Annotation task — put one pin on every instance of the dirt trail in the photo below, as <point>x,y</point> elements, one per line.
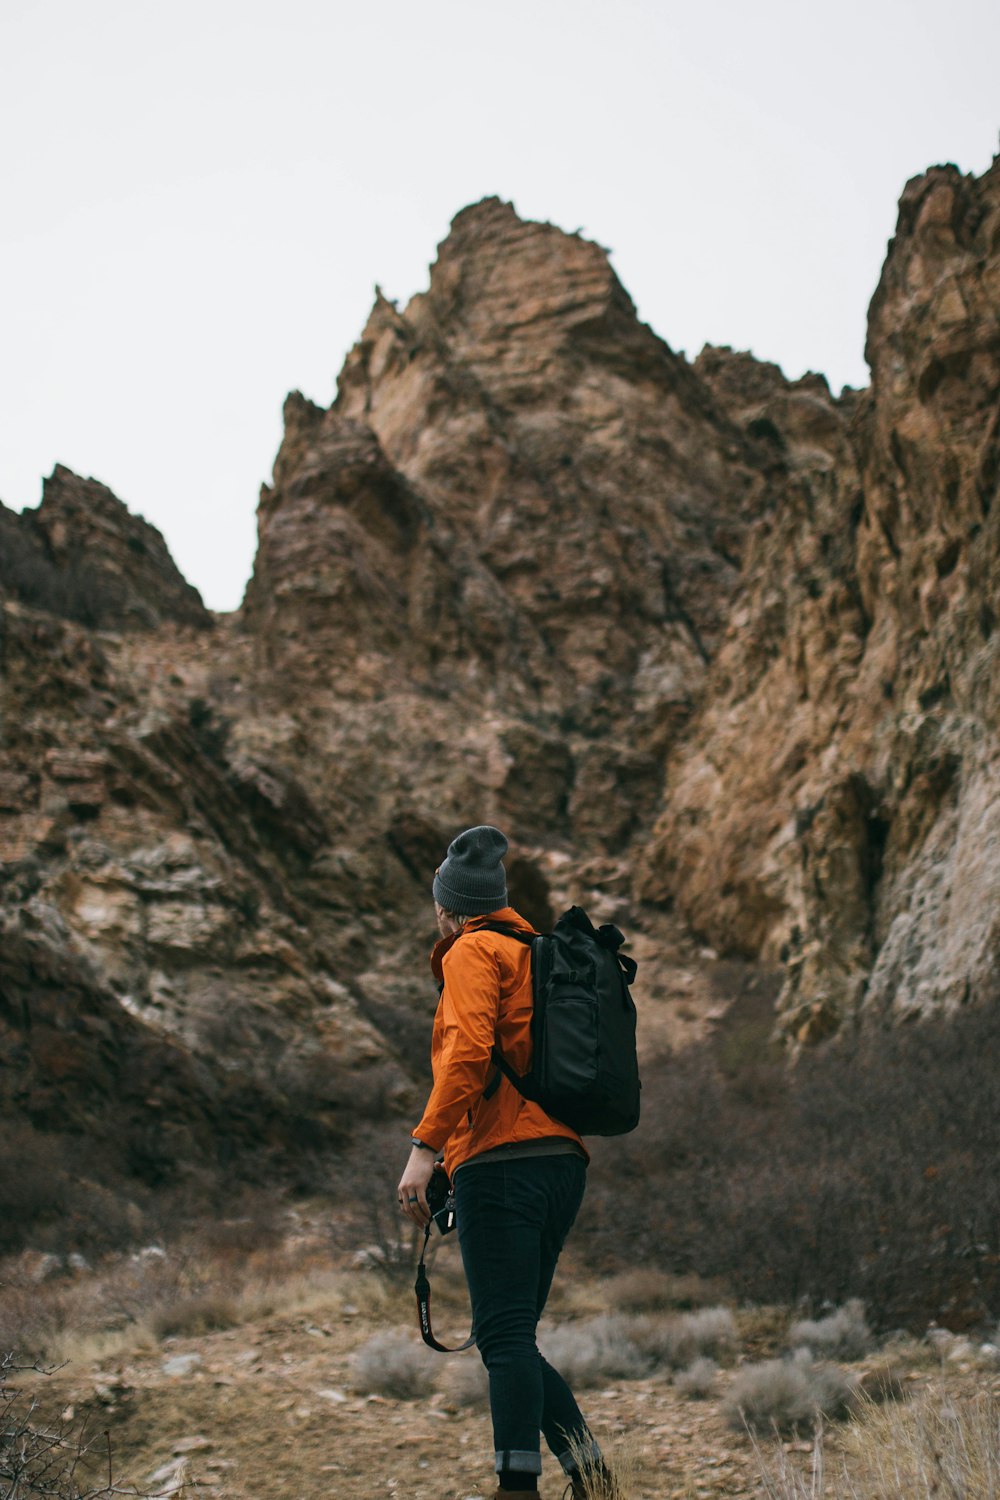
<point>268,1413</point>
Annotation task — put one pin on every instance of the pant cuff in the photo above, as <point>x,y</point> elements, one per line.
<point>570,1460</point>
<point>519,1459</point>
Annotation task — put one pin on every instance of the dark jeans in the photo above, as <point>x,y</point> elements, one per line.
<point>513,1219</point>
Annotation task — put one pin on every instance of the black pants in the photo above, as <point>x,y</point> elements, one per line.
<point>513,1219</point>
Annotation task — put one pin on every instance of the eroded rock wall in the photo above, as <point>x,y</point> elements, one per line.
<point>833,804</point>
<point>706,641</point>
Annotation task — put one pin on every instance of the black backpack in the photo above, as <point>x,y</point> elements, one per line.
<point>584,1068</point>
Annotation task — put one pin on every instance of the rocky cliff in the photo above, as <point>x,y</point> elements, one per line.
<point>718,649</point>
<point>834,804</point>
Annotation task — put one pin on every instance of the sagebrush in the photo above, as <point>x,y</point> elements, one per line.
<point>787,1395</point>
<point>842,1334</point>
<point>621,1347</point>
<point>394,1364</point>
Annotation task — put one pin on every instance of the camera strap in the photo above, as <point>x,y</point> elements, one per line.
<point>422,1287</point>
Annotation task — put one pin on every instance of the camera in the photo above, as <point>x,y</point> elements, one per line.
<point>441,1200</point>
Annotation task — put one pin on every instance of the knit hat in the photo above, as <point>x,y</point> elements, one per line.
<point>471,880</point>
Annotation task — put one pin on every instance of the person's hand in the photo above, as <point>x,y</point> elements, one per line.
<point>412,1189</point>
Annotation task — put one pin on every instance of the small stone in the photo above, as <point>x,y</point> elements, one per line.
<point>181,1364</point>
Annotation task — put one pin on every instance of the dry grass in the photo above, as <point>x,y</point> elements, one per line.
<point>128,1304</point>
<point>131,1302</point>
<point>939,1447</point>
<point>206,1312</point>
<point>647,1289</point>
<point>615,1477</point>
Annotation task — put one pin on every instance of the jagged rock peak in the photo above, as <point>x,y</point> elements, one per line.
<point>507,296</point>
<point>83,554</point>
<point>508,281</point>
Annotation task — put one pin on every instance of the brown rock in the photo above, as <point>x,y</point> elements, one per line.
<point>697,636</point>
<point>861,654</point>
<point>84,555</point>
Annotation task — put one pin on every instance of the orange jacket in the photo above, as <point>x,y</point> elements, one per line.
<point>486,1000</point>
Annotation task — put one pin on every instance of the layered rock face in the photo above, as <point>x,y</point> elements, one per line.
<point>835,803</point>
<point>599,485</point>
<point>708,643</point>
<point>522,521</point>
<point>159,962</point>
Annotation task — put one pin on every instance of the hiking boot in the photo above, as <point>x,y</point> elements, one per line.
<point>503,1494</point>
<point>596,1484</point>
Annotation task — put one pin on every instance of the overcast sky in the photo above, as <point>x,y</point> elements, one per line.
<point>199,196</point>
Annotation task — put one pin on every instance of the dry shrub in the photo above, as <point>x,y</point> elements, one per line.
<point>41,1458</point>
<point>254,1223</point>
<point>207,1312</point>
<point>121,1293</point>
<point>648,1289</point>
<point>592,1352</point>
<point>786,1395</point>
<point>869,1170</point>
<point>618,1347</point>
<point>698,1380</point>
<point>466,1382</point>
<point>128,1291</point>
<point>131,1300</point>
<point>844,1334</point>
<point>763,1330</point>
<point>393,1364</point>
<point>30,1319</point>
<point>677,1341</point>
<point>46,1204</point>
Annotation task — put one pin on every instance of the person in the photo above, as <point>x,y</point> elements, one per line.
<point>518,1174</point>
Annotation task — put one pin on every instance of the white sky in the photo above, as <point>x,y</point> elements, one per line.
<point>198,197</point>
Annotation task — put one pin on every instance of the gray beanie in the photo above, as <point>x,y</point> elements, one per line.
<point>471,880</point>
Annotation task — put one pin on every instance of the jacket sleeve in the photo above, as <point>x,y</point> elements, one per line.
<point>465,1031</point>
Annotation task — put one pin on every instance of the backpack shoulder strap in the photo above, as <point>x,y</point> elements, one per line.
<point>507,931</point>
